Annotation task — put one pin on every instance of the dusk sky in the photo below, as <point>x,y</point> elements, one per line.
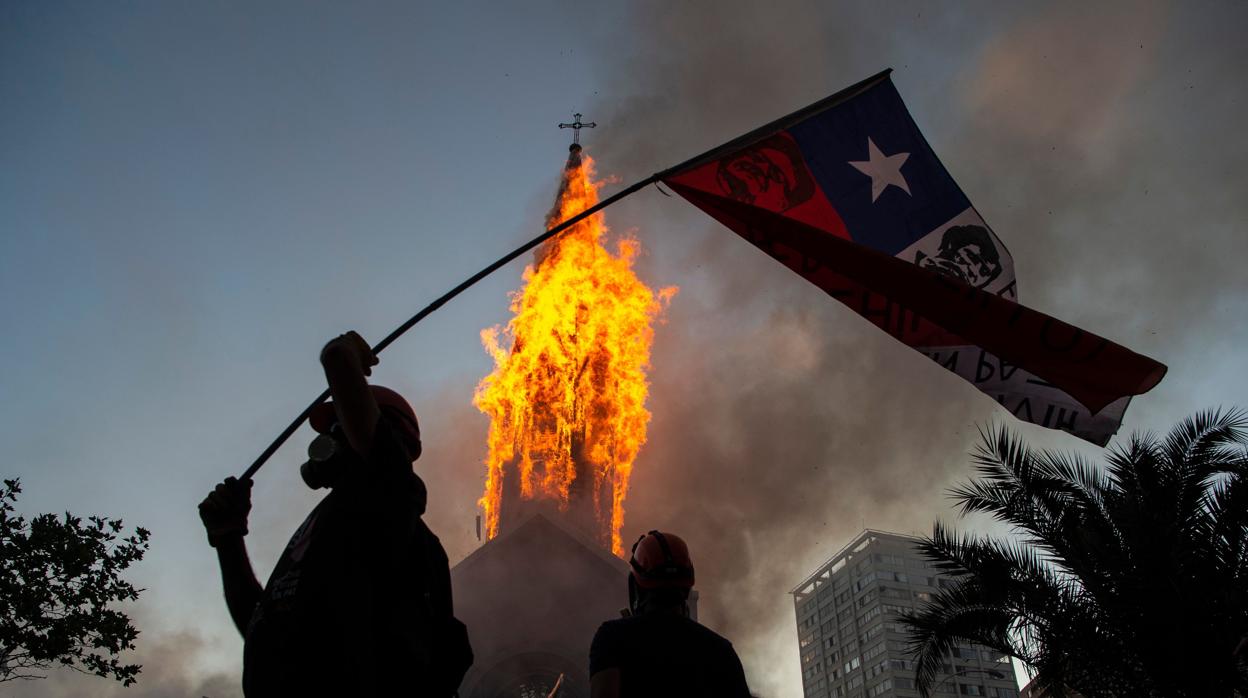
<point>196,196</point>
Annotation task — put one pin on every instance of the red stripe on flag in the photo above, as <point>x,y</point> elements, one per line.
<point>1091,369</point>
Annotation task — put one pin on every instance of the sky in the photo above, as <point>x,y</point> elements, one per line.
<point>195,196</point>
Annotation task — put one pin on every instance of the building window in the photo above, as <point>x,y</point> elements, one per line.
<point>970,690</point>
<point>881,689</point>
<point>965,652</point>
<point>872,632</point>
<point>893,609</point>
<point>901,664</point>
<point>993,656</point>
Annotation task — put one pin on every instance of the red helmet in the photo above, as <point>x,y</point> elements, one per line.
<point>322,417</point>
<point>661,561</point>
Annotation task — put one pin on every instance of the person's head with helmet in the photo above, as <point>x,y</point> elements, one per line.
<point>657,649</point>
<point>661,574</point>
<point>325,452</point>
<point>347,425</point>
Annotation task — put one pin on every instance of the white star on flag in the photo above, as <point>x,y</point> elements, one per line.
<point>882,169</point>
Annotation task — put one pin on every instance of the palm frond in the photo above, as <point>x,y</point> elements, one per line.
<point>1132,466</point>
<point>1226,507</point>
<point>1086,535</point>
<point>952,615</point>
<point>1004,593</point>
<point>1198,435</point>
<point>1009,486</point>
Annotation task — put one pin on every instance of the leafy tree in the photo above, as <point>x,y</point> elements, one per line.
<point>1125,580</point>
<point>58,576</point>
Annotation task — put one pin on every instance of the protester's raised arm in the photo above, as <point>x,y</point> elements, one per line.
<point>224,515</point>
<point>242,589</point>
<point>348,360</point>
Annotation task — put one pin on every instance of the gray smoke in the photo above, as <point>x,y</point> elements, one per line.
<point>172,668</point>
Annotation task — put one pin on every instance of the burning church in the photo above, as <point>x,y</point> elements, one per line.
<point>566,402</point>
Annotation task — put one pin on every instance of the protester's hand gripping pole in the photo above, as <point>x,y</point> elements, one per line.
<point>424,312</point>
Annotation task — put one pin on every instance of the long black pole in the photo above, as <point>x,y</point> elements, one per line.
<point>425,311</point>
<point>736,143</point>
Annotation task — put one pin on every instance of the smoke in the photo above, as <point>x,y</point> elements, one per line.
<point>171,669</point>
<point>1102,135</point>
<point>1038,95</point>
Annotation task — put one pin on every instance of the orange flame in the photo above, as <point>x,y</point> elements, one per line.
<point>566,399</point>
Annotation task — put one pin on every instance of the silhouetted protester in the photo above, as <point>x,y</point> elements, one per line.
<point>359,603</point>
<point>658,650</point>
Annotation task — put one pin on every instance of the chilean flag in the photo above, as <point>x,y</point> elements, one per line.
<point>848,193</point>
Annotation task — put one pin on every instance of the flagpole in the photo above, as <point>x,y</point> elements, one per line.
<point>442,300</point>
<point>734,144</point>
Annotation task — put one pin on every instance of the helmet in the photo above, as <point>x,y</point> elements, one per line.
<point>661,561</point>
<point>322,417</point>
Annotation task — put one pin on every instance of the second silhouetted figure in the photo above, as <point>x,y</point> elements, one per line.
<point>657,650</point>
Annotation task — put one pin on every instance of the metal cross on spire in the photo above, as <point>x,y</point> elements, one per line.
<point>576,127</point>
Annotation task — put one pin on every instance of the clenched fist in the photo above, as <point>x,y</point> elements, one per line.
<point>224,511</point>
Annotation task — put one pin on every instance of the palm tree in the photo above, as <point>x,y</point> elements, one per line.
<point>1124,580</point>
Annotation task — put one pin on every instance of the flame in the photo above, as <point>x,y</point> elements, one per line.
<point>566,399</point>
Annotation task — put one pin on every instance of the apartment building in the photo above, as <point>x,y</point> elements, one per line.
<point>851,642</point>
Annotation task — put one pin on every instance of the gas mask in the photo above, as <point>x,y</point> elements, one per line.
<point>329,456</point>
